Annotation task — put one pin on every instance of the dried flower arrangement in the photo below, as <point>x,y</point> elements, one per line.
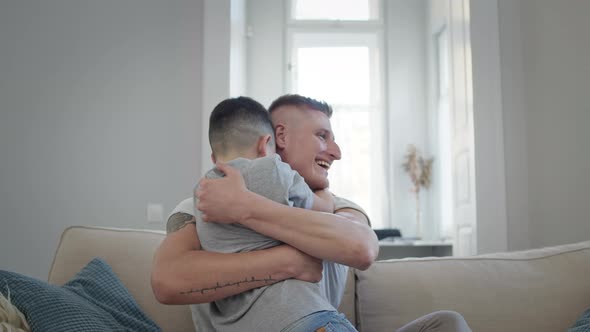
<point>420,172</point>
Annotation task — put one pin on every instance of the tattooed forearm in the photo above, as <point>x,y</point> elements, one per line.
<point>178,221</point>
<point>229,284</point>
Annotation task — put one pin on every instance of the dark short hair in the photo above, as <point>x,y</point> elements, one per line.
<point>238,123</point>
<point>301,102</point>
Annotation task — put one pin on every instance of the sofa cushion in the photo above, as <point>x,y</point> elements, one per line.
<point>94,300</point>
<point>536,290</point>
<point>129,253</point>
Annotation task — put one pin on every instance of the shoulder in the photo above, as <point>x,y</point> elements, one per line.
<point>346,207</point>
<point>343,203</point>
<point>179,220</point>
<point>241,164</point>
<point>271,164</point>
<point>268,161</point>
<point>185,206</point>
<point>181,215</point>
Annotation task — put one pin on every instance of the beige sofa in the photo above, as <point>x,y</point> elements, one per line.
<point>537,290</point>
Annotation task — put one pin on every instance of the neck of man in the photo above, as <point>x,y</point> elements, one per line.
<point>231,155</point>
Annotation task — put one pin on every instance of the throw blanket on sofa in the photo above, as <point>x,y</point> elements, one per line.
<point>11,319</point>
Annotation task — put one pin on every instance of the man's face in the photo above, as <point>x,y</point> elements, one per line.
<point>307,144</point>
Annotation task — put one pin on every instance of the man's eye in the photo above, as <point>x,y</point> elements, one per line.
<point>323,136</point>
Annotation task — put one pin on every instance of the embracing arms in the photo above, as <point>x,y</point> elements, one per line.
<point>343,237</point>
<point>182,273</point>
<point>323,201</point>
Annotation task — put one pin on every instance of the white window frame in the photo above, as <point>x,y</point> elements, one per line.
<point>375,4</point>
<point>444,150</point>
<point>338,33</point>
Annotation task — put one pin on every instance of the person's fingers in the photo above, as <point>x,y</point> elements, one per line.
<point>199,191</point>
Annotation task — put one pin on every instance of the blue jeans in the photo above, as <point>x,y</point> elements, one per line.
<point>438,321</point>
<point>331,321</point>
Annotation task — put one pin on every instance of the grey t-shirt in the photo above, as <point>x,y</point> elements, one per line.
<point>268,308</point>
<point>268,177</point>
<point>334,275</point>
<point>331,288</point>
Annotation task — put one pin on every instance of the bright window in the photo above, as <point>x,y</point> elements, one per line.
<point>444,134</point>
<point>342,65</point>
<point>353,10</point>
<point>320,73</point>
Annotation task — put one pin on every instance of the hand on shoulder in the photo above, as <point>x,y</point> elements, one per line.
<point>214,196</point>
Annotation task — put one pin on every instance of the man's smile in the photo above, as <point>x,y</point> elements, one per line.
<point>323,164</point>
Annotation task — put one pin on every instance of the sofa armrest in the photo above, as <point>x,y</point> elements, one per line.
<point>348,302</point>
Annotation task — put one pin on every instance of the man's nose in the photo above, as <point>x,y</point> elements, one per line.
<point>334,150</point>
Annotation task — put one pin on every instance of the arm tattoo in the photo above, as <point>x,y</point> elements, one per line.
<point>178,221</point>
<point>229,284</point>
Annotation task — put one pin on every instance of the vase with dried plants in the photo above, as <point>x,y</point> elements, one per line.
<point>420,172</point>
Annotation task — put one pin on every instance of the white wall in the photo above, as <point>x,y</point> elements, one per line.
<point>556,49</point>
<point>490,171</point>
<point>546,74</point>
<point>217,62</point>
<point>405,36</point>
<point>238,48</point>
<point>515,126</point>
<point>265,54</point>
<point>99,115</point>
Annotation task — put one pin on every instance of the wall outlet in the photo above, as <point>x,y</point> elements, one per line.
<point>155,213</point>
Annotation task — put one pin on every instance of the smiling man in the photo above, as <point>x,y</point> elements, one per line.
<point>318,246</point>
<point>306,139</point>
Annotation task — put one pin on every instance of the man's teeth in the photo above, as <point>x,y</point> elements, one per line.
<point>324,164</point>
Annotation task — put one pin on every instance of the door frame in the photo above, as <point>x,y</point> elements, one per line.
<point>490,166</point>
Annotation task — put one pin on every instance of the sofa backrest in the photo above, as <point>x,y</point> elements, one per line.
<point>130,254</point>
<point>536,290</point>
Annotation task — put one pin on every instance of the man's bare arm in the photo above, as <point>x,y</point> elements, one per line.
<point>184,274</point>
<point>344,237</point>
<point>323,201</point>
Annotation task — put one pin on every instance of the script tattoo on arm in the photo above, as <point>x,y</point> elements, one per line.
<point>178,221</point>
<point>229,284</point>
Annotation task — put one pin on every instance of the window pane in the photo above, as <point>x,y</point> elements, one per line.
<point>338,74</point>
<point>357,176</point>
<point>354,10</point>
<point>343,70</point>
<point>442,52</point>
<point>342,77</point>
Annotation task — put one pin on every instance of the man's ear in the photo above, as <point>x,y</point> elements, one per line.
<point>213,158</point>
<point>281,136</point>
<point>262,146</point>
